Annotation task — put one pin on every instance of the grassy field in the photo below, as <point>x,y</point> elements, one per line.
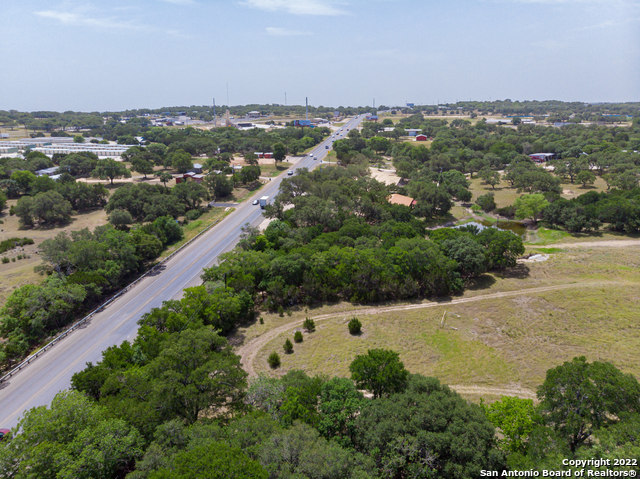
<point>507,341</point>
<point>20,272</point>
<point>505,195</point>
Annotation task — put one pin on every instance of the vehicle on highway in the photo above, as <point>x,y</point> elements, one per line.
<point>326,147</point>
<point>290,172</point>
<point>254,202</point>
<point>264,200</point>
<point>4,432</point>
<point>311,155</point>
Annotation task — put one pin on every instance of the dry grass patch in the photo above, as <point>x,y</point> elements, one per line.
<point>21,272</point>
<point>490,344</point>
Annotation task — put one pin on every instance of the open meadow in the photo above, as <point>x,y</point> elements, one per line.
<point>499,337</point>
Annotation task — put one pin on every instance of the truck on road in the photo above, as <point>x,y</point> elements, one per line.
<point>264,200</point>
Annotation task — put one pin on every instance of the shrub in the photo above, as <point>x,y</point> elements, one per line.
<point>297,337</point>
<point>309,325</point>
<point>355,326</point>
<point>274,360</point>
<point>193,214</point>
<point>507,211</point>
<point>5,260</point>
<point>486,202</point>
<point>288,346</point>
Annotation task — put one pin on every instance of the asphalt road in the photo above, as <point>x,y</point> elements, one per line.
<point>50,373</point>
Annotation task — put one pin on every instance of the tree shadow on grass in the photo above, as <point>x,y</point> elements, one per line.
<point>519,271</point>
<point>484,281</point>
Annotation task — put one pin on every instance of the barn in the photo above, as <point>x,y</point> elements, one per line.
<point>421,137</point>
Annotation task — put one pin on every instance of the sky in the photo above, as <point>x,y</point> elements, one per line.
<point>110,55</point>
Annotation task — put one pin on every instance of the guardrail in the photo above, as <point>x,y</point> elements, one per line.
<point>103,305</point>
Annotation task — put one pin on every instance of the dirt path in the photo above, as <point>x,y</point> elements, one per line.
<point>599,244</point>
<point>249,351</point>
<point>523,393</point>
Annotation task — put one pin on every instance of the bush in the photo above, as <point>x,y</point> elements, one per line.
<point>193,214</point>
<point>507,211</point>
<point>5,260</point>
<point>11,243</point>
<point>486,202</point>
<point>288,346</point>
<point>297,337</point>
<point>355,326</point>
<point>309,325</point>
<point>274,360</point>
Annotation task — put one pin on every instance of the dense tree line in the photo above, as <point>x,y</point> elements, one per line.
<point>618,210</point>
<point>175,403</point>
<point>47,202</point>
<point>84,266</point>
<point>343,240</point>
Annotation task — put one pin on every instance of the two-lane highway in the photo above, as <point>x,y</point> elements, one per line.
<point>50,373</point>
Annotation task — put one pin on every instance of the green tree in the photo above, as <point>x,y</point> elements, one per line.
<point>274,360</point>
<point>297,337</point>
<point>379,371</point>
<point>516,418</point>
<point>309,325</point>
<point>355,326</point>
<point>586,177</point>
<point>530,206</point>
<point>427,431</point>
<point>249,174</point>
<point>197,372</point>
<point>219,185</point>
<point>486,202</point>
<point>213,460</point>
<point>24,180</point>
<point>110,169</point>
<point>190,194</point>
<point>180,161</point>
<point>490,177</point>
<point>164,177</point>
<point>72,438</point>
<point>340,404</point>
<point>469,255</point>
<point>279,152</point>
<point>288,347</point>
<point>120,219</point>
<point>142,165</point>
<point>578,397</point>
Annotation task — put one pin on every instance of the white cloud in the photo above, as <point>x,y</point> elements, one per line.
<point>180,2</point>
<point>284,32</point>
<point>72,18</point>
<point>75,18</point>
<point>297,7</point>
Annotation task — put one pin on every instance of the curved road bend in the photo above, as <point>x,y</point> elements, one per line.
<point>50,373</point>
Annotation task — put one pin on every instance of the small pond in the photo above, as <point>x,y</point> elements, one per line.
<point>507,225</point>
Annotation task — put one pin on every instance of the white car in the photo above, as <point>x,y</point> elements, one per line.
<point>254,202</point>
<point>290,172</point>
<point>311,155</point>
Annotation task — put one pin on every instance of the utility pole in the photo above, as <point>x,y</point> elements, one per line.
<point>306,108</point>
<point>285,98</point>
<point>215,118</point>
